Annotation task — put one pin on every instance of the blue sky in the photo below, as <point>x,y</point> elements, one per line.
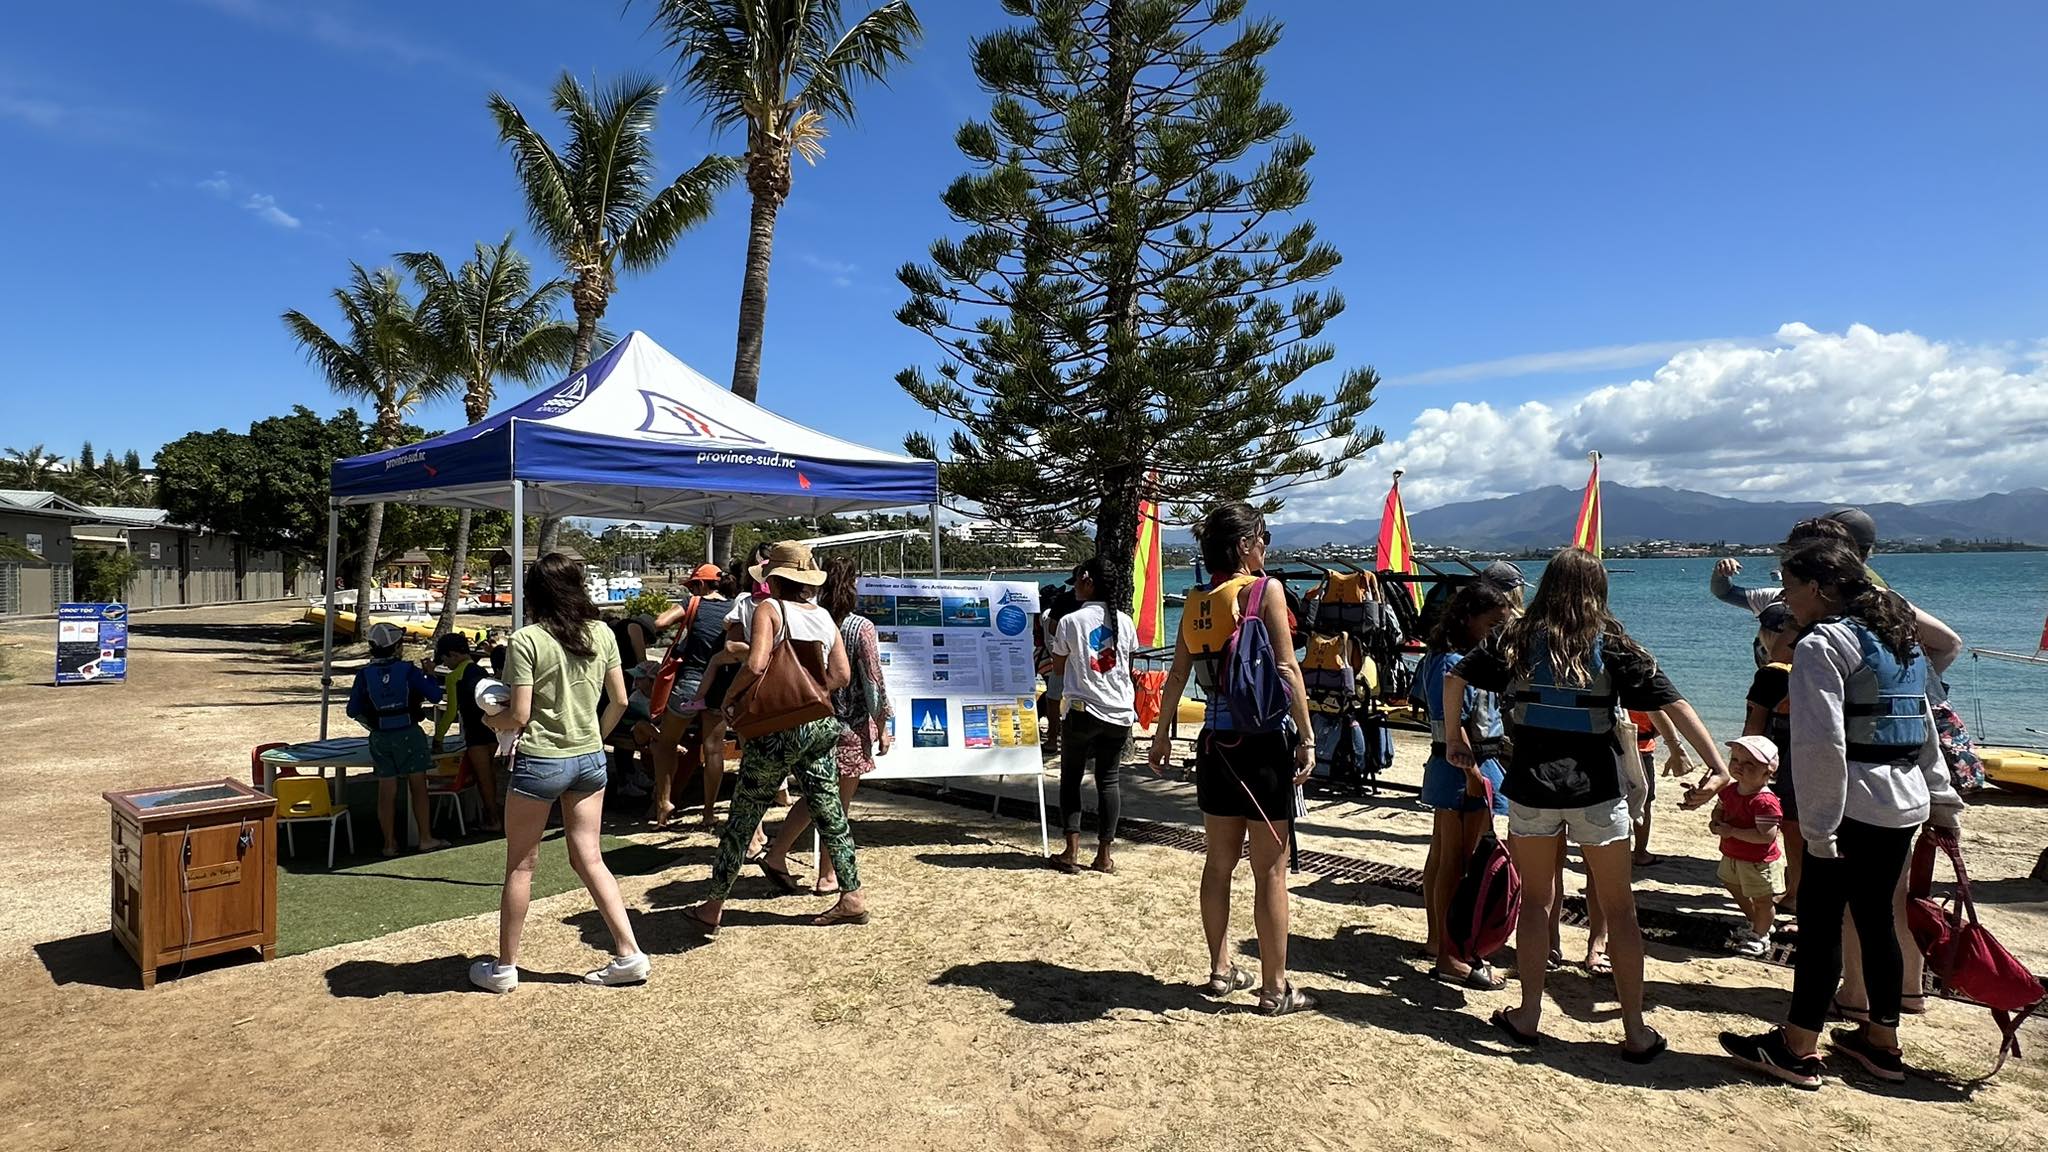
<point>1592,195</point>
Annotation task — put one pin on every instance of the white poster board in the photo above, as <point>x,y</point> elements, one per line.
<point>962,679</point>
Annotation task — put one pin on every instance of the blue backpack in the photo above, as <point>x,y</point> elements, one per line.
<point>1257,695</point>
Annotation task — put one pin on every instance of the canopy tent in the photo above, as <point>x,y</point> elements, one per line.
<point>640,435</point>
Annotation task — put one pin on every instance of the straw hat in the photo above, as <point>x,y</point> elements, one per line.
<point>792,562</point>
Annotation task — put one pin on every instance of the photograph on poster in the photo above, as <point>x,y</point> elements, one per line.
<point>928,724</point>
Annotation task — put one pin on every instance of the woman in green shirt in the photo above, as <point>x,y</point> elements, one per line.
<point>557,666</point>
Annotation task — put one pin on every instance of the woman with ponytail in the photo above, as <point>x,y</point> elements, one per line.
<point>1562,668</point>
<point>1869,773</point>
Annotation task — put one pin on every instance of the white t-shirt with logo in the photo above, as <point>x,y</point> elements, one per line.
<point>1098,651</point>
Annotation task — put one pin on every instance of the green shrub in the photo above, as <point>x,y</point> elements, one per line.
<point>102,575</point>
<point>651,602</point>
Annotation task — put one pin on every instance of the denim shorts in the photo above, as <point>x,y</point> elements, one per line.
<point>1590,827</point>
<point>1443,787</point>
<point>547,777</point>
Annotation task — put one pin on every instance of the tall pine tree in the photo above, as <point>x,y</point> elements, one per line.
<point>1129,315</point>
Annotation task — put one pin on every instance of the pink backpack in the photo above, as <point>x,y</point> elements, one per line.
<point>1482,914</point>
<point>1971,963</point>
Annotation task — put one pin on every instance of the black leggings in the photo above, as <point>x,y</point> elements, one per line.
<point>1083,738</point>
<point>1862,878</point>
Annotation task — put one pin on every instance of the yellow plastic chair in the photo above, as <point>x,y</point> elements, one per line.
<point>305,799</point>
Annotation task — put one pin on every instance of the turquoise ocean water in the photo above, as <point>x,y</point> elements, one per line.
<point>1994,600</point>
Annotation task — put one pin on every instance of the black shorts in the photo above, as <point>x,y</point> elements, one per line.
<point>1245,775</point>
<point>1782,785</point>
<point>720,685</point>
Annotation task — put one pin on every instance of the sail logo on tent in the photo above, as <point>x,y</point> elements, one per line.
<point>672,419</point>
<point>569,397</point>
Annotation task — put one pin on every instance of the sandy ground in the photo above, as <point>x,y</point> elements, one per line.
<point>992,1003</point>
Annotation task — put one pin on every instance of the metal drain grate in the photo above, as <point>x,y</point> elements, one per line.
<point>1659,925</point>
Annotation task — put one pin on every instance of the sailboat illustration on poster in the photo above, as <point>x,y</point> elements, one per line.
<point>928,724</point>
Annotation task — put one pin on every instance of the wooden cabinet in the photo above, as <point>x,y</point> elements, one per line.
<point>194,872</point>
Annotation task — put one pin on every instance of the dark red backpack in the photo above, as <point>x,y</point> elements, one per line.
<point>1482,914</point>
<point>1970,963</point>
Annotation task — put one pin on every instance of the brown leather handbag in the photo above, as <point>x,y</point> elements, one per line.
<point>791,692</point>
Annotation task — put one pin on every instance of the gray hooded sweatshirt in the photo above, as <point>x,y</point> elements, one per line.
<point>1831,787</point>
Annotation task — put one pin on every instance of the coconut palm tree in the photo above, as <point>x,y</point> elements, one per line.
<point>778,69</point>
<point>488,320</point>
<point>595,202</point>
<point>383,359</point>
<point>32,468</point>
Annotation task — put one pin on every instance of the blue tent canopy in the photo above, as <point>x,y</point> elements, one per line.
<point>640,434</point>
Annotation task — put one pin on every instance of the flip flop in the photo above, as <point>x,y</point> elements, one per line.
<point>1599,965</point>
<point>1058,865</point>
<point>780,878</point>
<point>834,916</point>
<point>1658,1047</point>
<point>1482,978</point>
<point>1516,1036</point>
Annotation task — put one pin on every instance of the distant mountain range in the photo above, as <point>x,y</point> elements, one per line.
<point>1544,518</point>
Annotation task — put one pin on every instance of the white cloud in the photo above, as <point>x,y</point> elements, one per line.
<point>265,207</point>
<point>840,272</point>
<point>219,184</point>
<point>1855,415</point>
<point>1605,358</point>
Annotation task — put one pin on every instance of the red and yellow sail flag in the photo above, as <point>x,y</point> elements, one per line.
<point>1396,548</point>
<point>1587,534</point>
<point>1148,588</point>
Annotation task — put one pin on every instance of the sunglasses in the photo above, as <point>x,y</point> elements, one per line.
<point>1264,536</point>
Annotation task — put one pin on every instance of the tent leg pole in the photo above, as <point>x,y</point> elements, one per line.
<point>327,624</point>
<point>938,569</point>
<point>518,555</point>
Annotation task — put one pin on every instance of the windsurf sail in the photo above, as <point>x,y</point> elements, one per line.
<point>1148,588</point>
<point>1587,533</point>
<point>2038,656</point>
<point>1396,551</point>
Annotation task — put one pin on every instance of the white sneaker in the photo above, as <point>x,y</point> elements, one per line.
<point>492,976</point>
<point>621,970</point>
<point>1748,943</point>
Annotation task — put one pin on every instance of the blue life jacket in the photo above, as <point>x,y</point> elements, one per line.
<point>1541,701</point>
<point>1884,704</point>
<point>1482,717</point>
<point>388,684</point>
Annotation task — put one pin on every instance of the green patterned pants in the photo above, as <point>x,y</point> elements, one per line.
<point>804,753</point>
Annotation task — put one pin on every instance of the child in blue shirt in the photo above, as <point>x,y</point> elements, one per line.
<point>389,698</point>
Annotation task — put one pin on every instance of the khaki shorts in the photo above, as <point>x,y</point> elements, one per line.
<point>1750,880</point>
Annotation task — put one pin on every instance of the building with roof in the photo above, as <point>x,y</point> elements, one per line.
<point>41,534</point>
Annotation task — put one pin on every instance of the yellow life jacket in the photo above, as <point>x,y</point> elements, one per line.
<point>1327,674</point>
<point>1207,622</point>
<point>1344,588</point>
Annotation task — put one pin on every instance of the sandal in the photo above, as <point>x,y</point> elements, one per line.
<point>1287,1001</point>
<point>1658,1046</point>
<point>1840,1011</point>
<point>1062,865</point>
<point>1516,1036</point>
<point>1226,983</point>
<point>1481,978</point>
<point>833,916</point>
<point>780,877</point>
<point>698,924</point>
<point>1599,965</point>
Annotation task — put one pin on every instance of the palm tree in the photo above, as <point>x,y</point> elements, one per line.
<point>118,484</point>
<point>382,359</point>
<point>33,468</point>
<point>487,320</point>
<point>778,69</point>
<point>595,202</point>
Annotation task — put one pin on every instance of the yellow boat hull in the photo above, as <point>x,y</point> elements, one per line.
<point>345,626</point>
<point>2023,769</point>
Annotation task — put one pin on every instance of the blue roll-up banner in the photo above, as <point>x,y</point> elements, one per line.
<point>92,643</point>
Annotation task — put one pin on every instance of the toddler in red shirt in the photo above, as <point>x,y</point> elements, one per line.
<point>1746,818</point>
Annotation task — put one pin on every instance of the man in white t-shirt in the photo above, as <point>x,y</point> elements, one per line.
<point>1091,654</point>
